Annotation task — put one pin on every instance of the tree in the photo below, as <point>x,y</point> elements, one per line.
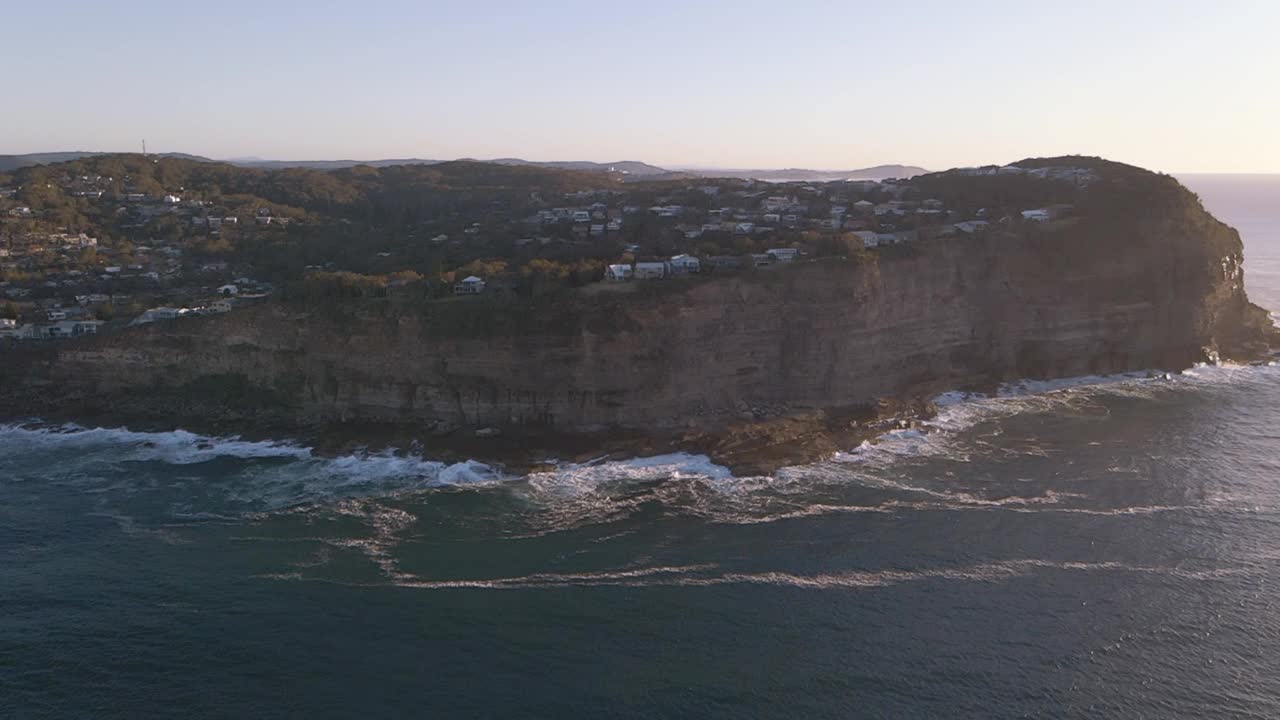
<point>9,311</point>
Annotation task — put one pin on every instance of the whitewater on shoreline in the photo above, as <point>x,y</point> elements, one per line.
<point>283,475</point>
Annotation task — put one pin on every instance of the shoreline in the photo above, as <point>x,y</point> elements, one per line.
<point>749,447</point>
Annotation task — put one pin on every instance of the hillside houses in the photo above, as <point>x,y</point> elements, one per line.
<point>116,246</point>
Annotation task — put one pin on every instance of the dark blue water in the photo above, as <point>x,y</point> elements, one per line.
<point>1104,548</point>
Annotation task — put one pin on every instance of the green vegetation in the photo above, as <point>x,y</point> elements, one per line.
<point>406,234</point>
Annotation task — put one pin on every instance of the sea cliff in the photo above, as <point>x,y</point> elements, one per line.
<point>745,360</point>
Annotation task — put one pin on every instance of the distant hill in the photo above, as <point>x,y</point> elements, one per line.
<point>328,164</point>
<point>879,172</point>
<point>13,162</point>
<point>628,167</point>
<point>631,169</point>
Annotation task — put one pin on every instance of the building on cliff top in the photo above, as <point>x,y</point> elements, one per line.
<point>471,285</point>
<point>618,273</point>
<point>685,265</point>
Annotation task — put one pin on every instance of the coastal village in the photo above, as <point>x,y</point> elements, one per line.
<point>168,258</point>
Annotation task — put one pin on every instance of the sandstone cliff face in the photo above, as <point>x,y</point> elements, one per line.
<point>930,317</point>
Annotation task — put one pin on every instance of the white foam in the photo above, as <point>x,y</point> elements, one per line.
<point>588,478</point>
<point>709,576</point>
<point>270,475</point>
<point>177,447</point>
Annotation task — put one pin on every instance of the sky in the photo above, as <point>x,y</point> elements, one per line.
<point>1168,85</point>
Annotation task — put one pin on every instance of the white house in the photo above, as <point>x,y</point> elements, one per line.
<point>172,199</point>
<point>470,285</point>
<point>9,330</point>
<point>777,202</point>
<point>1036,215</point>
<point>972,226</point>
<point>220,306</point>
<point>618,273</point>
<point>156,314</point>
<point>648,270</point>
<point>783,255</point>
<point>581,216</point>
<point>868,238</point>
<point>685,265</point>
<point>228,291</point>
<point>56,315</point>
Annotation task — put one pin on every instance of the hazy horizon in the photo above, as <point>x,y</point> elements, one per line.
<point>821,85</point>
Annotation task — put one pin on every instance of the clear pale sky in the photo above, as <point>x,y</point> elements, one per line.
<point>1170,85</point>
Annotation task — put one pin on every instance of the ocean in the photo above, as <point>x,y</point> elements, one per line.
<point>1097,547</point>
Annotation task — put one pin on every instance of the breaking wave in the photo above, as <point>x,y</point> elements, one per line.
<point>211,477</point>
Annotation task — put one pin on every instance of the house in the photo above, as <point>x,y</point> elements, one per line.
<point>10,330</point>
<point>156,314</point>
<point>597,229</point>
<point>263,219</point>
<point>582,216</point>
<point>220,306</point>
<point>762,260</point>
<point>1036,215</point>
<point>650,270</point>
<point>228,291</point>
<point>135,197</point>
<point>172,199</point>
<point>20,212</point>
<point>618,273</point>
<point>864,207</point>
<point>972,226</point>
<point>783,255</point>
<point>868,238</point>
<point>685,265</point>
<point>745,228</point>
<point>470,285</point>
<point>76,328</point>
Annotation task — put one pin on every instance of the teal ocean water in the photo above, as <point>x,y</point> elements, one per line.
<point>1102,547</point>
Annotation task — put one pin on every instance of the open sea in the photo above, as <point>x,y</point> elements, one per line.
<point>1101,547</point>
